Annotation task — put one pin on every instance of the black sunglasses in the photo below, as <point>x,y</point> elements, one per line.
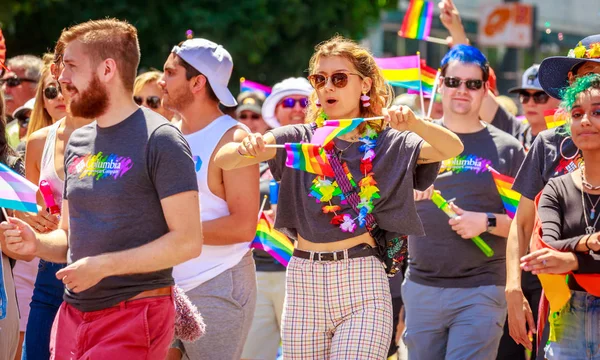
<point>253,116</point>
<point>289,103</point>
<point>339,80</point>
<point>539,97</point>
<point>151,101</point>
<point>23,121</point>
<point>51,92</point>
<point>471,84</point>
<point>14,81</point>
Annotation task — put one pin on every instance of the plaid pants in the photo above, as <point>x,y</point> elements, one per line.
<point>337,310</point>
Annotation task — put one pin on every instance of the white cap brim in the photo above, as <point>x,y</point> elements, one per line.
<point>268,108</point>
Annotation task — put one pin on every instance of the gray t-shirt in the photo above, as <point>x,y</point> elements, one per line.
<point>396,173</point>
<point>115,178</point>
<point>544,162</point>
<point>442,258</point>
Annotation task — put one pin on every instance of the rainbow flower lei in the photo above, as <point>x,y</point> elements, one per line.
<point>325,189</point>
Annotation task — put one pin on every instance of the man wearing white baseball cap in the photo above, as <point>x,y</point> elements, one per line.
<point>287,103</point>
<point>221,282</point>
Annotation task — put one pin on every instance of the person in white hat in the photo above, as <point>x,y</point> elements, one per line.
<point>287,103</point>
<point>22,114</point>
<point>221,282</point>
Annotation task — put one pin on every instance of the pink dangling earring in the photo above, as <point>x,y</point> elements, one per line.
<point>365,100</point>
<point>318,103</point>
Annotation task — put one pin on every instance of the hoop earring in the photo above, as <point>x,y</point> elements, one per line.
<point>561,150</point>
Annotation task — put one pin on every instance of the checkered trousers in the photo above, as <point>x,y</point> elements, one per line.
<point>337,310</point>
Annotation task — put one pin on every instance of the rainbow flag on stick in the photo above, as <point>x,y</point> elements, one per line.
<point>308,157</point>
<point>403,71</point>
<point>272,241</point>
<point>417,20</point>
<point>16,192</point>
<point>510,198</point>
<point>555,118</point>
<point>247,85</point>
<point>334,128</point>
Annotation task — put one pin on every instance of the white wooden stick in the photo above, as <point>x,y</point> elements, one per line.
<point>262,206</point>
<point>435,85</point>
<point>5,214</point>
<point>278,146</point>
<point>421,85</point>
<point>429,38</point>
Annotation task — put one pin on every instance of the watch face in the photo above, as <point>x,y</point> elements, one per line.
<point>491,221</point>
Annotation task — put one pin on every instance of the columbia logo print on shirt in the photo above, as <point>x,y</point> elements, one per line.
<point>100,166</point>
<point>464,163</point>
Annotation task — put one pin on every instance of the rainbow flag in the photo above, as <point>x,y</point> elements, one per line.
<point>555,118</point>
<point>272,241</point>
<point>334,128</point>
<point>403,71</point>
<point>417,20</point>
<point>510,198</point>
<point>16,192</point>
<point>247,85</point>
<point>308,157</point>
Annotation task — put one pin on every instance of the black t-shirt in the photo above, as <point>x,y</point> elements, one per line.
<point>563,219</point>
<point>508,123</point>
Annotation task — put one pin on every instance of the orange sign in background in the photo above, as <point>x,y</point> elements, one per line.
<point>509,24</point>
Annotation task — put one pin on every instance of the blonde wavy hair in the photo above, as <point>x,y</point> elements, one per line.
<point>149,77</point>
<point>40,117</point>
<point>381,93</point>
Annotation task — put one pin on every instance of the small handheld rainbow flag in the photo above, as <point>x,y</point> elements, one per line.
<point>16,192</point>
<point>510,198</point>
<point>407,72</point>
<point>555,118</point>
<point>247,85</point>
<point>417,21</point>
<point>334,128</point>
<point>308,157</point>
<point>272,241</point>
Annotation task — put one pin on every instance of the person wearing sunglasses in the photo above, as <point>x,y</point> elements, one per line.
<point>338,302</point>
<point>248,111</point>
<point>146,92</point>
<point>287,103</point>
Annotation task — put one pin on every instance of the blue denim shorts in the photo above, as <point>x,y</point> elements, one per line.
<point>577,329</point>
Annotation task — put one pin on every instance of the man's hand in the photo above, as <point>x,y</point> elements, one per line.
<point>449,16</point>
<point>468,224</point>
<point>20,237</point>
<point>83,273</point>
<point>424,195</point>
<point>519,316</point>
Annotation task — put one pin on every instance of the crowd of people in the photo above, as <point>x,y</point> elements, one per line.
<point>159,179</point>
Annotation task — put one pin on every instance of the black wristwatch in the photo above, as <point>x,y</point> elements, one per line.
<point>491,222</point>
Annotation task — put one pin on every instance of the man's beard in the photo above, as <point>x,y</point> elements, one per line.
<point>178,99</point>
<point>93,101</point>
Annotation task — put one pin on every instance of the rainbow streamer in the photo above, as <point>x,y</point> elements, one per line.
<point>555,118</point>
<point>334,128</point>
<point>247,85</point>
<point>16,192</point>
<point>403,71</point>
<point>417,21</point>
<point>272,241</point>
<point>308,157</point>
<point>510,198</point>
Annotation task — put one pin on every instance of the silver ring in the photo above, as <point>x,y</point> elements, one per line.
<point>544,263</point>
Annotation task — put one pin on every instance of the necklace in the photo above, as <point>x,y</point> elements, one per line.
<point>589,229</point>
<point>340,150</point>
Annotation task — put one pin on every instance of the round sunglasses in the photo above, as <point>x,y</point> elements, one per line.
<point>15,81</point>
<point>339,79</point>
<point>51,92</point>
<point>539,97</point>
<point>471,84</point>
<point>252,116</point>
<point>151,101</point>
<point>289,103</point>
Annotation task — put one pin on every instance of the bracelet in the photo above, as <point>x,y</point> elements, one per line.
<point>244,155</point>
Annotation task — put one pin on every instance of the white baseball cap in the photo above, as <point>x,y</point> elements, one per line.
<point>28,106</point>
<point>213,61</point>
<point>287,87</point>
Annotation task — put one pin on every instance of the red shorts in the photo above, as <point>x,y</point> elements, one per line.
<point>138,329</point>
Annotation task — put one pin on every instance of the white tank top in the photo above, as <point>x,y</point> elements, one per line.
<point>214,260</point>
<point>47,169</point>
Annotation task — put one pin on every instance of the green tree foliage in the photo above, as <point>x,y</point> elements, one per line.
<point>268,39</point>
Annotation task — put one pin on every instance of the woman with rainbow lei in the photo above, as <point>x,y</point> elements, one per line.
<point>352,206</point>
<point>566,239</point>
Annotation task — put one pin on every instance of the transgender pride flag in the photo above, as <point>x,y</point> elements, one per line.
<point>16,192</point>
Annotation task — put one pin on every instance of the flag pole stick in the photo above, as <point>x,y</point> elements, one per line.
<point>432,39</point>
<point>421,84</point>
<point>433,92</point>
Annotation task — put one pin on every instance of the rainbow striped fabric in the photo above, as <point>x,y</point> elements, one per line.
<point>417,21</point>
<point>334,128</point>
<point>247,85</point>
<point>510,198</point>
<point>16,192</point>
<point>308,157</point>
<point>555,118</point>
<point>403,71</point>
<point>272,241</point>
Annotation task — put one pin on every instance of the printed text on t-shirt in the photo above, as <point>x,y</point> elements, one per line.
<point>464,163</point>
<point>100,166</point>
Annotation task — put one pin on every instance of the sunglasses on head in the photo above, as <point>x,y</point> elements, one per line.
<point>151,101</point>
<point>539,97</point>
<point>51,92</point>
<point>339,79</point>
<point>471,84</point>
<point>252,116</point>
<point>14,81</point>
<point>289,103</point>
